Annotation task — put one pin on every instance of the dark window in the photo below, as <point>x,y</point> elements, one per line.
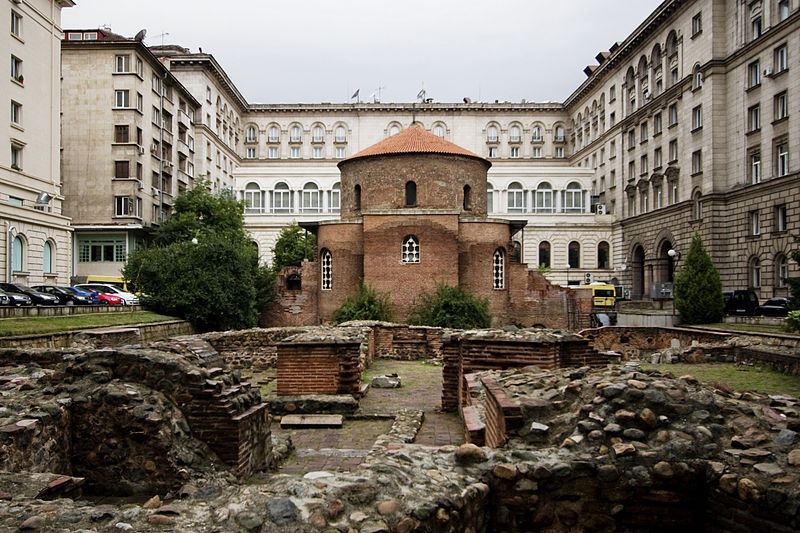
<point>411,194</point>
<point>294,282</point>
<point>121,134</point>
<point>467,198</point>
<point>357,199</point>
<point>122,169</point>
<point>544,254</point>
<point>602,255</point>
<point>574,254</point>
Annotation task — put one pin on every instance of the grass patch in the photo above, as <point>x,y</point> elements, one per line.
<point>414,374</point>
<point>758,378</point>
<point>58,324</point>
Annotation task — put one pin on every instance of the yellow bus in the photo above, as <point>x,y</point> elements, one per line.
<point>604,295</point>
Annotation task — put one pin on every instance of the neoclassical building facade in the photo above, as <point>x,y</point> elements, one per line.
<point>688,124</point>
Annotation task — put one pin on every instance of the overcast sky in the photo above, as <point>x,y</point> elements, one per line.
<point>289,51</point>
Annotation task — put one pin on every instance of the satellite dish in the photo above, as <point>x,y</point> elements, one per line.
<point>140,36</point>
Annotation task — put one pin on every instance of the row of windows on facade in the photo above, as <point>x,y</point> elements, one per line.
<point>131,206</point>
<point>122,65</point>
<point>102,250</point>
<point>515,133</point>
<point>410,254</point>
<point>295,152</point>
<point>780,273</point>
<point>295,134</point>
<point>545,253</point>
<point>19,255</point>
<point>543,199</point>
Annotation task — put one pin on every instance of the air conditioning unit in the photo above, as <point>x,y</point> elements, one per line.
<point>141,149</point>
<point>767,72</point>
<point>154,148</point>
<point>141,185</point>
<point>155,191</point>
<point>601,209</point>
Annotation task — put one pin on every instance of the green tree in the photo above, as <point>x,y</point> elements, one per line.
<point>202,265</point>
<point>450,307</point>
<point>698,289</point>
<point>794,283</point>
<point>366,304</point>
<point>293,245</point>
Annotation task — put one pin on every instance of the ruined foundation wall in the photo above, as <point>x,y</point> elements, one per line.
<point>255,348</point>
<point>318,368</point>
<point>403,342</point>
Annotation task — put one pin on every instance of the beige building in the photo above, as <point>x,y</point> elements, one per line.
<point>128,145</point>
<point>35,241</point>
<point>686,125</point>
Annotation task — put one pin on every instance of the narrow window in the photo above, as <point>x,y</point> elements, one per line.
<point>17,253</point>
<point>326,270</point>
<point>467,198</point>
<point>544,254</point>
<point>357,198</point>
<point>755,273</point>
<point>411,194</point>
<point>603,255</point>
<point>498,269</point>
<point>574,254</point>
<point>47,258</point>
<point>410,250</point>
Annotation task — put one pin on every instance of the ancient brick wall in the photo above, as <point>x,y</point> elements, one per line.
<point>501,415</point>
<point>632,340</point>
<point>345,243</point>
<point>534,301</point>
<point>294,306</point>
<point>255,348</point>
<point>318,368</point>
<point>403,342</point>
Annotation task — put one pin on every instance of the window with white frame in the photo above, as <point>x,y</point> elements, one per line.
<point>537,152</point>
<point>394,129</point>
<point>536,134</point>
<point>514,134</point>
<point>544,198</point>
<point>492,151</point>
<point>318,134</point>
<point>281,198</point>
<point>489,198</point>
<point>657,125</point>
<point>317,152</point>
<point>782,270</point>
<point>16,156</point>
<point>783,10</point>
<point>781,58</point>
<point>295,134</point>
<point>643,164</point>
<point>16,23</point>
<point>697,117</point>
<point>573,198</point>
<point>559,137</point>
<point>673,114</point>
<point>272,152</point>
<point>697,24</point>
<point>498,269</point>
<point>122,63</point>
<point>781,218</point>
<point>340,134</point>
<point>491,134</point>
<point>782,158</point>
<point>140,102</point>
<point>698,206</point>
<point>516,198</point>
<point>657,158</point>
<point>16,68</point>
<point>340,152</point>
<point>101,250</point>
<point>250,134</point>
<point>253,198</point>
<point>124,206</point>
<point>156,83</point>
<point>250,153</point>
<point>644,201</point>
<point>558,152</point>
<point>781,105</point>
<point>273,134</point>
<point>157,116</point>
<point>697,79</point>
<point>755,273</point>
<point>643,134</point>
<point>754,118</point>
<point>515,152</point>
<point>294,152</point>
<point>673,150</point>
<point>326,262</point>
<point>754,74</point>
<point>755,166</point>
<point>410,250</point>
<point>755,28</point>
<point>16,113</point>
<point>311,203</point>
<point>673,192</point>
<point>334,197</point>
<point>658,197</point>
<point>697,161</point>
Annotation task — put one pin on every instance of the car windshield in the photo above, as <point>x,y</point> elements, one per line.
<point>604,293</point>
<point>69,290</point>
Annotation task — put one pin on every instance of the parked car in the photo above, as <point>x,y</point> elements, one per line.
<point>128,298</point>
<point>64,296</point>
<point>17,299</point>
<point>37,298</point>
<point>4,299</point>
<point>98,298</point>
<point>740,302</point>
<point>778,306</point>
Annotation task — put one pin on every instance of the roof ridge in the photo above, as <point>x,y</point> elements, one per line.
<point>414,139</point>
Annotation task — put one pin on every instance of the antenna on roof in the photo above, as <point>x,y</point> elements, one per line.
<point>140,36</point>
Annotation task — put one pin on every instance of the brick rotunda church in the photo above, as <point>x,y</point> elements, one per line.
<point>413,214</point>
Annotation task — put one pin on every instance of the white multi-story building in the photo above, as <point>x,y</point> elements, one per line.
<point>35,245</point>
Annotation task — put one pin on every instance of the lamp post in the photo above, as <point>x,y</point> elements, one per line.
<point>568,267</point>
<point>10,252</point>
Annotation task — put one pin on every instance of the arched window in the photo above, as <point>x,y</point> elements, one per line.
<point>514,134</point>
<point>410,250</point>
<point>603,256</point>
<point>755,273</point>
<point>489,198</point>
<point>491,134</point>
<point>573,198</point>
<point>544,254</point>
<point>340,134</point>
<point>273,134</point>
<point>294,282</point>
<point>544,198</point>
<point>781,270</point>
<point>467,198</point>
<point>357,198</point>
<point>411,194</point>
<point>559,134</point>
<point>311,203</point>
<point>438,130</point>
<point>574,254</point>
<point>318,134</point>
<point>334,198</point>
<point>698,206</point>
<point>295,134</point>
<point>250,135</point>
<point>281,198</point>
<point>498,269</point>
<point>536,134</point>
<point>17,254</point>
<point>697,77</point>
<point>516,198</point>
<point>325,262</point>
<point>47,258</point>
<point>394,129</point>
<point>253,198</point>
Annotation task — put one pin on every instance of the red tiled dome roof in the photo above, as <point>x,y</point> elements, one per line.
<point>413,140</point>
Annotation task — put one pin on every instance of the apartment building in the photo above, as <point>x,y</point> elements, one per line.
<point>128,145</point>
<point>36,235</point>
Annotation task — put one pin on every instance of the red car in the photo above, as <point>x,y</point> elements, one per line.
<point>100,298</point>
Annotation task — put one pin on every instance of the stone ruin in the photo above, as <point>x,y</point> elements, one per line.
<point>569,449</point>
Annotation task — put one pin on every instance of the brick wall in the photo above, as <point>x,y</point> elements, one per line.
<point>318,368</point>
<point>345,242</point>
<point>403,342</point>
<point>294,307</point>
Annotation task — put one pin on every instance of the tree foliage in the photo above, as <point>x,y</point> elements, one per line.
<point>698,288</point>
<point>450,307</point>
<point>794,283</point>
<point>202,265</point>
<point>366,304</point>
<point>293,245</point>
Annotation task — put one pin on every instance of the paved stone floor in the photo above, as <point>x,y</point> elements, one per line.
<point>340,449</point>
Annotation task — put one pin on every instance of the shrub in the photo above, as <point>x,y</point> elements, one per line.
<point>293,245</point>
<point>450,307</point>
<point>792,321</point>
<point>366,304</point>
<point>698,288</point>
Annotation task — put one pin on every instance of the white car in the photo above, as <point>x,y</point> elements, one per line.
<point>127,297</point>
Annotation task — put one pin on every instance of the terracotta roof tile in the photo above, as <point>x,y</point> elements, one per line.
<point>413,140</point>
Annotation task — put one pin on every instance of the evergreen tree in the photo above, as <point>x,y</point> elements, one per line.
<point>698,289</point>
<point>293,245</point>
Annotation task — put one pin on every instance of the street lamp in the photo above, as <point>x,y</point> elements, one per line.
<point>568,267</point>
<point>674,254</point>
<point>10,252</point>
